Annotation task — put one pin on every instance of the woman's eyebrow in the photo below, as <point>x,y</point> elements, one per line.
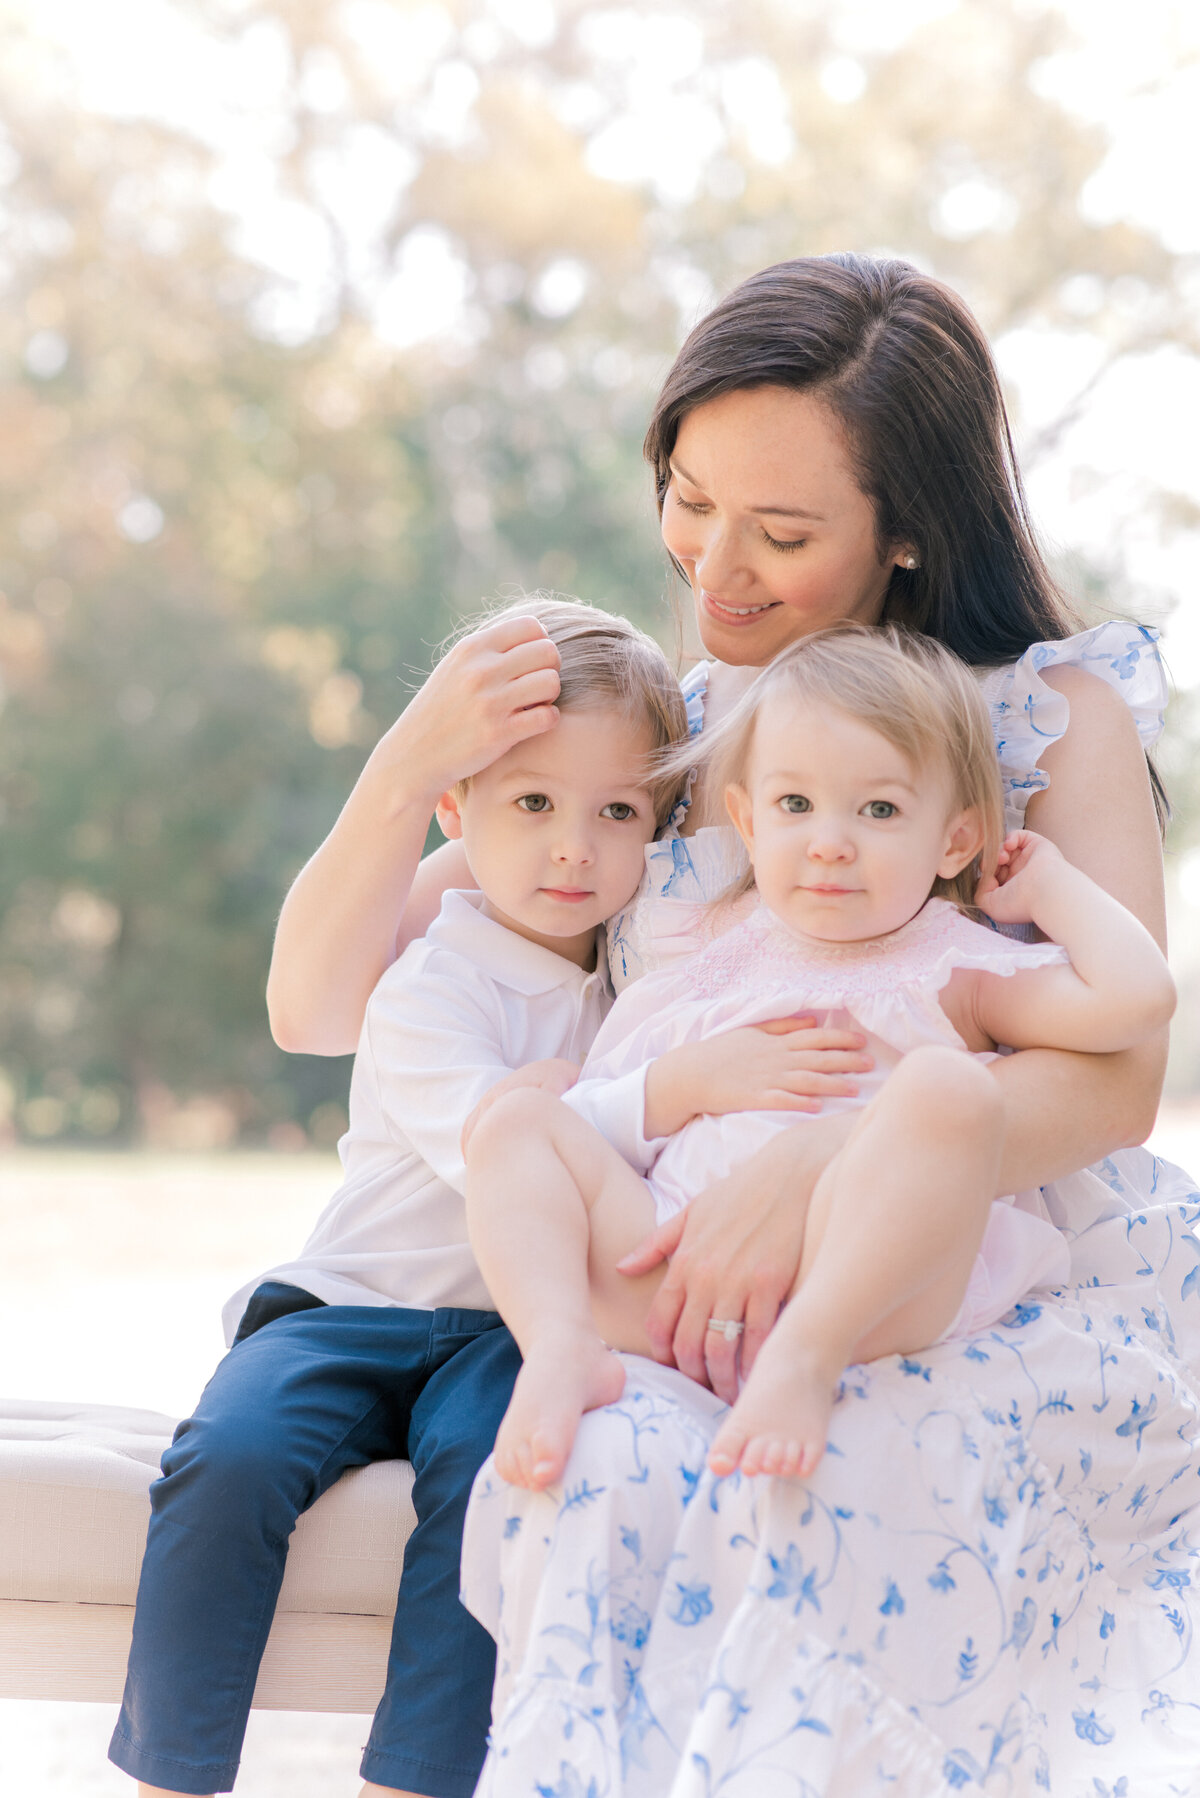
<point>677,468</point>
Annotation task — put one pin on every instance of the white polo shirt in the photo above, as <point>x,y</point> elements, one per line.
<point>460,1009</point>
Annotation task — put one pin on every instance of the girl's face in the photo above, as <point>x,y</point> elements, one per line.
<point>845,835</point>
<point>765,514</point>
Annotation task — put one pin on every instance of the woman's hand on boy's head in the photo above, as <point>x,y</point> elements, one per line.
<point>555,1076</point>
<point>1009,894</point>
<point>494,689</point>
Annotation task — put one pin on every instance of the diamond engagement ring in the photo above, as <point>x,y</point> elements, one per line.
<point>729,1327</point>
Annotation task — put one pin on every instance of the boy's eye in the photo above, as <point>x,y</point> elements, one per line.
<point>795,802</point>
<point>880,808</point>
<point>534,802</point>
<point>618,811</point>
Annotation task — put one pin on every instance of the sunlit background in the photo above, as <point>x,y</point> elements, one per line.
<point>323,320</point>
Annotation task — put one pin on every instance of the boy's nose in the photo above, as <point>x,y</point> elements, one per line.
<point>574,850</point>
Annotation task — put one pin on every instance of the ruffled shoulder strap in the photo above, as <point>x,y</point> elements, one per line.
<point>1027,715</point>
<point>694,687</point>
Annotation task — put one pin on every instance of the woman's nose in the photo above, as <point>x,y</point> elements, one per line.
<point>718,560</point>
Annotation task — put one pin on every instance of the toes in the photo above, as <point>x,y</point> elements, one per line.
<point>727,1451</point>
<point>546,1461</point>
<point>523,1466</point>
<point>810,1459</point>
<point>793,1460</point>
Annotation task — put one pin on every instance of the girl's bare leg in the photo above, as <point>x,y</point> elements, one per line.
<point>551,1209</point>
<point>894,1227</point>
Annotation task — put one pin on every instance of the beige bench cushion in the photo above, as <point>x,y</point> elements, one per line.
<point>74,1484</point>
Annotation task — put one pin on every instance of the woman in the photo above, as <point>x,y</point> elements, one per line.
<point>831,443</point>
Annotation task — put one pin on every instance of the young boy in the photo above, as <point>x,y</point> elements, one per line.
<point>380,1340</point>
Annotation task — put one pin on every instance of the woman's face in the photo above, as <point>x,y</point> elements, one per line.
<point>766,516</point>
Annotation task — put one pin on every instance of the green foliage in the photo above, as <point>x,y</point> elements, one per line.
<point>228,544</point>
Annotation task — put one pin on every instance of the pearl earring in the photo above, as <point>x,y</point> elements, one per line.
<point>910,562</point>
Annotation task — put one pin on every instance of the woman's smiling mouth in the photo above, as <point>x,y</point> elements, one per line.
<point>718,609</point>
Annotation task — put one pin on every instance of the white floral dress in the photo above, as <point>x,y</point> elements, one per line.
<point>990,1583</point>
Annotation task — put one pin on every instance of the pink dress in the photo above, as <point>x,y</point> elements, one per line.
<point>888,987</point>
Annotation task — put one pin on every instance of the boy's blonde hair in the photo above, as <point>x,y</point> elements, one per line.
<point>605,658</point>
<point>912,690</point>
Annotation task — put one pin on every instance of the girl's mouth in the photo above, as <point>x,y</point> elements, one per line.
<point>569,895</point>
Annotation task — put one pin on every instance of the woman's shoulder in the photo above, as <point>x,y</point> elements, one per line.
<point>1030,699</point>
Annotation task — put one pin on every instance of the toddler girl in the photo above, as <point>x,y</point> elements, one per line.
<point>860,773</point>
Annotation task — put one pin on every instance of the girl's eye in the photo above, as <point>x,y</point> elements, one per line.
<point>618,811</point>
<point>880,808</point>
<point>795,802</point>
<point>534,802</point>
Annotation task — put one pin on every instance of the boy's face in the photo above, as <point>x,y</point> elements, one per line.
<point>555,831</point>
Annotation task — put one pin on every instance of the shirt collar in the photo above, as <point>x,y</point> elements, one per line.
<point>505,957</point>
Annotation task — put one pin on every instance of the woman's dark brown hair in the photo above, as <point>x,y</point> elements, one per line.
<point>904,367</point>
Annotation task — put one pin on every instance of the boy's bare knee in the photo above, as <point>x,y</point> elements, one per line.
<point>512,1115</point>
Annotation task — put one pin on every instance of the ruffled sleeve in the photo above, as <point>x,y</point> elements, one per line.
<point>1027,715</point>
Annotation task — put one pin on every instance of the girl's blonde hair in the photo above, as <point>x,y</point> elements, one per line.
<point>909,688</point>
<point>604,657</point>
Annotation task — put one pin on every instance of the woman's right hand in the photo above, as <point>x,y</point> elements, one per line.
<point>494,689</point>
<point>360,899</point>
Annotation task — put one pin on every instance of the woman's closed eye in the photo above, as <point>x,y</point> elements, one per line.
<point>781,543</point>
<point>535,802</point>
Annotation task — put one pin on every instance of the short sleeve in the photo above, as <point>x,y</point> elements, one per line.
<point>1027,715</point>
<point>430,1048</point>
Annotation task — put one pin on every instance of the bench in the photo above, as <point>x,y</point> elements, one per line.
<point>74,1506</point>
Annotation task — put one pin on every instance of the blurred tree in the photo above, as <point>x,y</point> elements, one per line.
<point>239,506</point>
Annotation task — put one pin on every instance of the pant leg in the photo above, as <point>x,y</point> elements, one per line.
<point>430,1731</point>
<point>287,1411</point>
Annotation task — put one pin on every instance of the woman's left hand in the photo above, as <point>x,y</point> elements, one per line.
<point>734,1254</point>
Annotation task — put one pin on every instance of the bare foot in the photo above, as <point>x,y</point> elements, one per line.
<point>561,1377</point>
<point>781,1418</point>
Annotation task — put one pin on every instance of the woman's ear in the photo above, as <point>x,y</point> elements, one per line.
<point>741,812</point>
<point>964,841</point>
<point>449,815</point>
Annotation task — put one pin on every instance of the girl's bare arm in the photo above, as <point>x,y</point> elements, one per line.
<point>736,1250</point>
<point>366,892</point>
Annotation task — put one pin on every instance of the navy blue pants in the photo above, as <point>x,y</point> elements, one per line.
<point>306,1391</point>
